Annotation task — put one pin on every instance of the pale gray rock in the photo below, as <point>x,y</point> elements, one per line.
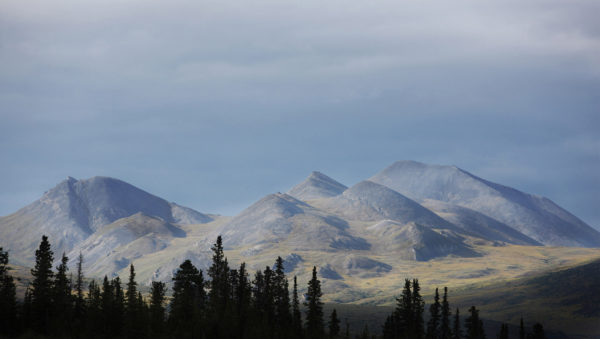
<point>416,242</point>
<point>368,201</point>
<point>282,219</point>
<point>316,186</point>
<point>534,216</point>
<point>73,210</point>
<point>478,224</point>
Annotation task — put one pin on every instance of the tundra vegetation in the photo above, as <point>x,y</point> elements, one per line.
<point>226,303</point>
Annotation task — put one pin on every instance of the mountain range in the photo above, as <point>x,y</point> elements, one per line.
<point>409,212</point>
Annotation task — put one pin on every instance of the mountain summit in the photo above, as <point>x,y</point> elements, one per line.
<point>537,217</point>
<point>74,209</point>
<point>316,186</point>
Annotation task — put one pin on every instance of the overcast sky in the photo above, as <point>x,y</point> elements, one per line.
<point>214,104</point>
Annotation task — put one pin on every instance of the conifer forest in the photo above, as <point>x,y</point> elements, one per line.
<point>223,302</point>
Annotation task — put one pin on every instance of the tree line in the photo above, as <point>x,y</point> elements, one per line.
<point>225,304</point>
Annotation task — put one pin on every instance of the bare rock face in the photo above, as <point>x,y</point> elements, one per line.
<point>316,186</point>
<point>73,210</point>
<point>416,242</point>
<point>536,217</point>
<point>368,201</point>
<point>281,218</point>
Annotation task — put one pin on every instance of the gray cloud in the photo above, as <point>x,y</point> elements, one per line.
<point>224,102</point>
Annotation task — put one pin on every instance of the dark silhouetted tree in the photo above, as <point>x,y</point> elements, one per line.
<point>296,315</point>
<point>188,304</point>
<point>456,329</point>
<point>8,301</point>
<point>220,291</point>
<point>79,307</point>
<point>503,334</point>
<point>418,306</point>
<point>157,309</point>
<point>281,296</point>
<point>62,299</point>
<point>521,329</point>
<point>133,307</point>
<point>433,325</point>
<point>334,325</point>
<point>41,287</point>
<point>474,325</point>
<point>314,312</point>
<point>538,332</point>
<point>445,332</point>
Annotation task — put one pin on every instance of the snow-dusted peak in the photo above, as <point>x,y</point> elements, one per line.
<point>317,185</point>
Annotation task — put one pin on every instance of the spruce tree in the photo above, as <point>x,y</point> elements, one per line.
<point>41,293</point>
<point>404,321</point>
<point>334,325</point>
<point>456,330</point>
<point>314,313</point>
<point>133,311</point>
<point>538,332</point>
<point>521,329</point>
<point>94,317</point>
<point>242,297</point>
<point>503,331</point>
<point>79,309</point>
<point>157,309</point>
<point>8,301</point>
<point>433,324</point>
<point>474,325</point>
<point>188,303</point>
<point>418,306</point>
<point>281,295</point>
<point>296,315</point>
<point>445,332</point>
<point>118,311</point>
<point>62,299</point>
<point>220,290</point>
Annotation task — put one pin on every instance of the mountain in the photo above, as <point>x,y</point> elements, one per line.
<point>415,242</point>
<point>316,186</point>
<point>73,210</point>
<point>536,217</point>
<point>279,219</point>
<point>368,201</point>
<point>116,245</point>
<point>477,224</point>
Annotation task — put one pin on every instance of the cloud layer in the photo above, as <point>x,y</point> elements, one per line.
<point>214,103</point>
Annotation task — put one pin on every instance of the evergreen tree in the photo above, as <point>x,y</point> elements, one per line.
<point>94,317</point>
<point>334,325</point>
<point>474,325</point>
<point>117,317</point>
<point>521,329</point>
<point>188,303</point>
<point>314,313</point>
<point>404,314</point>
<point>41,294</point>
<point>157,309</point>
<point>503,331</point>
<point>242,299</point>
<point>538,332</point>
<point>389,327</point>
<point>281,295</point>
<point>133,307</point>
<point>62,299</point>
<point>296,315</point>
<point>433,324</point>
<point>79,309</point>
<point>456,330</point>
<point>418,306</point>
<point>220,290</point>
<point>445,332</point>
<point>8,301</point>
<point>365,333</point>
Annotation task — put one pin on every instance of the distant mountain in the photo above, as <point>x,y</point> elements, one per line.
<point>534,216</point>
<point>415,242</point>
<point>478,224</point>
<point>116,245</point>
<point>316,186</point>
<point>368,201</point>
<point>281,218</point>
<point>73,210</point>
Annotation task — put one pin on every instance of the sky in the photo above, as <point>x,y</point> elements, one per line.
<point>214,104</point>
